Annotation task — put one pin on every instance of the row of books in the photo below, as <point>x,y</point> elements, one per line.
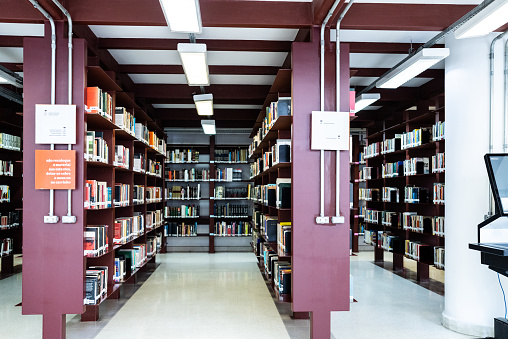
<point>371,151</point>
<point>153,194</point>
<point>439,257</point>
<point>232,229</point>
<point>9,141</point>
<point>370,237</point>
<point>10,219</point>
<point>182,156</point>
<point>278,270</point>
<point>100,102</point>
<point>406,220</point>
<point>154,219</point>
<point>390,194</point>
<point>267,225</point>
<point>192,174</point>
<point>228,174</point>
<point>280,152</point>
<point>7,168</point>
<point>96,284</point>
<point>366,173</point>
<point>438,224</point>
<point>391,145</point>
<point>127,260</point>
<point>438,194</point>
<point>153,243</point>
<point>95,240</point>
<point>156,143</point>
<point>184,192</point>
<point>275,195</point>
<point>174,229</point>
<point>125,120</point>
<point>390,242</point>
<point>418,251</point>
<point>183,211</point>
<point>96,147</point>
<point>6,246</point>
<point>223,192</point>
<point>122,156</point>
<point>231,155</point>
<point>154,168</point>
<point>284,231</point>
<point>138,196</point>
<point>230,210</point>
<point>438,163</point>
<point>122,194</point>
<point>127,228</point>
<point>282,107</point>
<point>97,195</point>
<point>438,131</point>
<point>416,137</point>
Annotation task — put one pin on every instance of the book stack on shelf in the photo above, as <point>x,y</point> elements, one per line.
<point>409,195</point>
<point>270,153</point>
<point>124,189</point>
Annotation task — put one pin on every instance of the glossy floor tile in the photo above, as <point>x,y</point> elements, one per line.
<point>222,295</point>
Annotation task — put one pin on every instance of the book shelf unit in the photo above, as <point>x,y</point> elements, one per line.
<point>264,244</point>
<point>191,174</point>
<point>357,206</point>
<point>11,183</point>
<point>149,180</point>
<point>401,230</point>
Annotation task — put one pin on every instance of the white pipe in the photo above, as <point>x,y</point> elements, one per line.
<point>69,146</point>
<point>53,87</point>
<point>337,98</point>
<point>322,100</point>
<point>505,115</point>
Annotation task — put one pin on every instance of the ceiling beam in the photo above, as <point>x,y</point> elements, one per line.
<point>15,67</point>
<point>406,17</point>
<point>384,48</point>
<point>217,101</point>
<point>185,91</point>
<point>378,72</point>
<point>218,123</point>
<point>213,69</point>
<point>214,13</point>
<point>211,45</point>
<point>321,8</point>
<point>218,114</point>
<point>11,41</point>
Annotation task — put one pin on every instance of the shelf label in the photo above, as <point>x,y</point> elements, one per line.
<point>55,124</point>
<point>55,169</point>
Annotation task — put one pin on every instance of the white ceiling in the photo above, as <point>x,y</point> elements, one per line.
<point>222,33</point>
<point>227,79</point>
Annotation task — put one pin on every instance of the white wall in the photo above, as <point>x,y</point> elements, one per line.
<point>472,293</point>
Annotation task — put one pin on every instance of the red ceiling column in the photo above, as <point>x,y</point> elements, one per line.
<point>320,252</point>
<point>53,263</point>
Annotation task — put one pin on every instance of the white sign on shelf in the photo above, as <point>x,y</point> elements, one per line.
<point>55,124</point>
<point>330,131</point>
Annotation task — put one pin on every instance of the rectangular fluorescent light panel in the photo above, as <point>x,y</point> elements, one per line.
<point>204,103</point>
<point>365,100</point>
<point>182,16</point>
<point>208,126</point>
<point>418,63</point>
<point>194,63</point>
<point>487,20</point>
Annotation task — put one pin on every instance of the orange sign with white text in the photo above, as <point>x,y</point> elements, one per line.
<point>55,169</point>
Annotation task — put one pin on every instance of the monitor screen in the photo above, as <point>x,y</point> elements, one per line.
<point>497,168</point>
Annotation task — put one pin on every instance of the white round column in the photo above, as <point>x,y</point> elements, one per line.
<point>473,297</point>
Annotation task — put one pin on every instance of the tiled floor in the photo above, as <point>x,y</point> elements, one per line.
<point>195,295</point>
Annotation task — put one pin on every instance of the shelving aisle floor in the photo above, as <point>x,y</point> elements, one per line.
<point>194,295</point>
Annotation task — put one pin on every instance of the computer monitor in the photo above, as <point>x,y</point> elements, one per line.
<point>497,169</point>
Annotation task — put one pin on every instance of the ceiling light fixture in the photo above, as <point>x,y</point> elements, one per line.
<point>208,126</point>
<point>204,103</point>
<point>11,78</point>
<point>194,63</point>
<point>365,100</point>
<point>487,20</point>
<point>182,16</point>
<point>415,65</point>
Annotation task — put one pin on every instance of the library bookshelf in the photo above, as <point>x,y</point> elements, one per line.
<point>130,166</point>
<point>404,194</point>
<point>271,171</point>
<point>212,182</point>
<point>11,187</point>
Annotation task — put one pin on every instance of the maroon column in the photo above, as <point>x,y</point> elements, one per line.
<point>321,252</point>
<point>53,263</point>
